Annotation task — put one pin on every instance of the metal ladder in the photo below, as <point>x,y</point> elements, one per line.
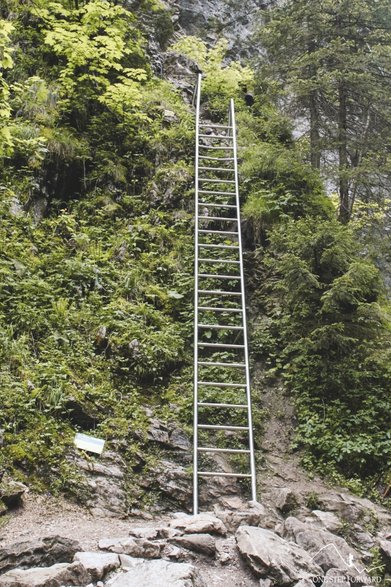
<point>221,364</point>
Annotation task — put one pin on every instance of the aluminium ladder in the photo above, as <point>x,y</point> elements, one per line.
<point>222,399</point>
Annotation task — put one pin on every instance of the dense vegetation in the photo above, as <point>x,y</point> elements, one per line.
<point>96,259</point>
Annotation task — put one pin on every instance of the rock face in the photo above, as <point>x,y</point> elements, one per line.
<point>270,556</point>
<point>142,573</point>
<point>208,18</point>
<point>105,484</point>
<point>43,552</point>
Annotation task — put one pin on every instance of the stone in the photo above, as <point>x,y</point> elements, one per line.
<point>203,543</point>
<point>174,482</point>
<point>285,500</point>
<point>270,556</point>
<point>305,583</point>
<point>203,523</point>
<point>11,492</point>
<point>98,564</point>
<point>178,439</point>
<point>44,551</point>
<point>335,577</point>
<point>252,514</point>
<point>385,549</point>
<point>147,533</point>
<point>268,583</point>
<point>326,549</point>
<point>137,547</point>
<point>159,573</point>
<point>55,576</point>
<point>105,484</point>
<point>327,520</point>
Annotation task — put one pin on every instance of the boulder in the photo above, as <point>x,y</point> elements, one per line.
<point>326,549</point>
<point>327,520</point>
<point>54,576</point>
<point>137,547</point>
<point>159,573</point>
<point>270,556</point>
<point>97,564</point>
<point>203,543</point>
<point>11,492</point>
<point>250,514</point>
<point>204,523</point>
<point>39,552</point>
<point>335,577</point>
<point>285,500</point>
<point>385,549</point>
<point>146,533</point>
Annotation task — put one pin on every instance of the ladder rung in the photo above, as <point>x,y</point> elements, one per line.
<point>216,136</point>
<point>221,427</point>
<point>216,158</point>
<point>214,148</point>
<point>229,261</point>
<point>217,276</point>
<point>225,218</point>
<point>208,205</point>
<point>220,327</point>
<point>204,125</point>
<point>220,405</point>
<point>205,231</point>
<point>221,364</point>
<point>210,474</point>
<point>209,246</point>
<point>217,169</point>
<point>219,292</point>
<point>216,193</point>
<point>209,180</point>
<point>228,450</point>
<point>221,384</point>
<point>211,309</point>
<point>221,345</point>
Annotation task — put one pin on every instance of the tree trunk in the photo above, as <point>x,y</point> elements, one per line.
<point>344,201</point>
<point>314,131</point>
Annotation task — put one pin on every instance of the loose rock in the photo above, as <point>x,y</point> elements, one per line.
<point>158,573</point>
<point>270,556</point>
<point>203,543</point>
<point>98,564</point>
<point>204,523</point>
<point>54,576</point>
<point>137,547</point>
<point>44,552</point>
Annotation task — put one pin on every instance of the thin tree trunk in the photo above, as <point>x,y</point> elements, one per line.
<point>344,204</point>
<point>314,131</point>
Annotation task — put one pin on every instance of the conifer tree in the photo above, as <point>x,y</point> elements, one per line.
<point>333,57</point>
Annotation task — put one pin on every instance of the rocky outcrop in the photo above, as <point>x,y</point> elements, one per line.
<point>270,556</point>
<point>230,546</point>
<point>54,576</point>
<point>11,493</point>
<point>43,552</point>
<point>212,19</point>
<point>158,573</point>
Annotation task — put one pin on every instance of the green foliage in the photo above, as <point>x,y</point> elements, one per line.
<point>333,338</point>
<point>220,82</point>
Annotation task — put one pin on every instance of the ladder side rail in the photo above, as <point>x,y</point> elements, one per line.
<point>196,251</point>
<point>232,123</point>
